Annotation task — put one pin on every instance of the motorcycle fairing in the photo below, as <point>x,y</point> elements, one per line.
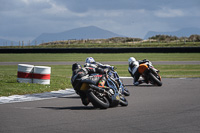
<point>84,86</point>
<point>142,68</point>
<point>89,80</point>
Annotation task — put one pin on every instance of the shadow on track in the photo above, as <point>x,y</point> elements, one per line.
<point>72,97</point>
<point>70,108</point>
<point>142,85</point>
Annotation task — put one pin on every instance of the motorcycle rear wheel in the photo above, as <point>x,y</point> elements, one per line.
<point>98,101</point>
<point>156,79</point>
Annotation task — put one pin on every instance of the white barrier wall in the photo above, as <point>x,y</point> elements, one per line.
<point>25,73</point>
<point>41,75</point>
<point>33,74</point>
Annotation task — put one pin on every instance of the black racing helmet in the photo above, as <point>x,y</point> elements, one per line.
<point>76,66</point>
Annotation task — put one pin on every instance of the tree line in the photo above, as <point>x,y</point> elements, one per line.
<point>168,38</point>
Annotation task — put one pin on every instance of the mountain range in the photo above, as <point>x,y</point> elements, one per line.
<point>90,32</point>
<point>93,32</point>
<point>185,32</point>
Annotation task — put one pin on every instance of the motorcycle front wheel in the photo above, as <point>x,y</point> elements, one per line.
<point>126,92</point>
<point>156,79</point>
<point>123,101</point>
<point>97,100</point>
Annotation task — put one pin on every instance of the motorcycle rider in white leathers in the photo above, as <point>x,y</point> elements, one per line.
<point>133,69</point>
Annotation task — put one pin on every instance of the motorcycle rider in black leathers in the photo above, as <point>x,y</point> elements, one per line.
<point>83,73</point>
<point>133,70</point>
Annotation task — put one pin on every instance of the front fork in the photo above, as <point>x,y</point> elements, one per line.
<point>147,78</point>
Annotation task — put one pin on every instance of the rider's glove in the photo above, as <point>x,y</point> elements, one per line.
<point>105,71</point>
<point>112,67</point>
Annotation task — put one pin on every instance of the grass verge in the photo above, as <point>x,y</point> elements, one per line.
<point>99,57</point>
<point>61,75</point>
<point>60,79</point>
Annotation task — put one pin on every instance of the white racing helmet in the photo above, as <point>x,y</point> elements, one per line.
<point>90,60</point>
<point>131,59</point>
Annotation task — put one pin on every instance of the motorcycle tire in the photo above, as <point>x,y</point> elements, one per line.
<point>156,79</point>
<point>123,101</point>
<point>126,92</point>
<point>97,101</point>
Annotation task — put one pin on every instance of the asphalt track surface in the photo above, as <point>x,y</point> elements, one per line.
<point>171,108</point>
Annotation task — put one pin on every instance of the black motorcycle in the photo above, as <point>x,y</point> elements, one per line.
<point>103,98</point>
<point>122,87</point>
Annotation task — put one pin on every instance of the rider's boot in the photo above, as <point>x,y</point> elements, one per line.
<point>84,99</point>
<point>136,83</point>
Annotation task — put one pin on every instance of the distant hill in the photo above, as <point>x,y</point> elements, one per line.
<point>185,32</point>
<point>90,32</point>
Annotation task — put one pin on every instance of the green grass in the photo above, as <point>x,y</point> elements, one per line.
<point>168,71</point>
<point>98,57</point>
<point>60,79</point>
<point>61,74</point>
<point>177,71</point>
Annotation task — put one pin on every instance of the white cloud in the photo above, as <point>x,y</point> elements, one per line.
<point>30,18</point>
<point>55,9</point>
<point>25,1</point>
<point>35,1</point>
<point>167,12</point>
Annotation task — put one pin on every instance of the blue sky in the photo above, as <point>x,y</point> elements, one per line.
<point>27,19</point>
